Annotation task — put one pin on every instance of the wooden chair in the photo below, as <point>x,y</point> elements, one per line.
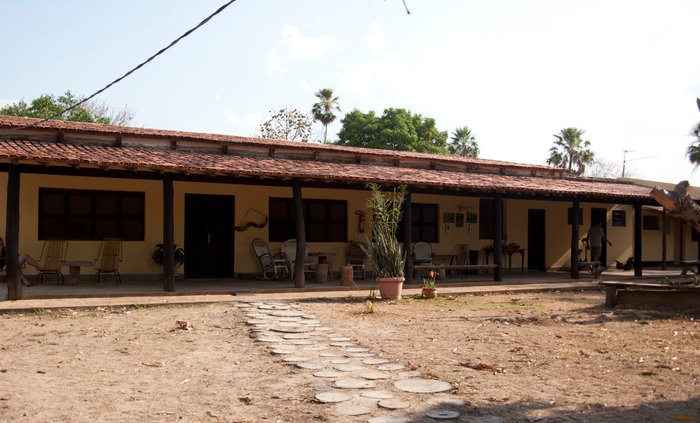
<point>52,254</point>
<point>355,257</point>
<point>289,252</point>
<point>108,258</point>
<point>272,267</point>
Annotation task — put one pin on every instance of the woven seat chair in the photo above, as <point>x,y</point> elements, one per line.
<point>108,258</point>
<point>52,254</point>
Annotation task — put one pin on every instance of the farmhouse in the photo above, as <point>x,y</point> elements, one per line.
<point>215,194</point>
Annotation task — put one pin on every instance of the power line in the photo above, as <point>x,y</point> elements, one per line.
<point>134,69</point>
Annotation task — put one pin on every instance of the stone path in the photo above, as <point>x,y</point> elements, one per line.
<point>348,377</point>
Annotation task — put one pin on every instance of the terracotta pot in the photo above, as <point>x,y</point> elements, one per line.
<point>390,288</point>
<point>429,292</point>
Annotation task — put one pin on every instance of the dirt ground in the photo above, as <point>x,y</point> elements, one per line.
<point>521,357</point>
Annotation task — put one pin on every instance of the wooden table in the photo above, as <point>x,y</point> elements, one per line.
<point>509,252</point>
<point>74,269</point>
<point>322,265</point>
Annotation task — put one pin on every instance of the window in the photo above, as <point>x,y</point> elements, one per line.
<point>91,215</point>
<point>693,234</point>
<point>487,218</point>
<point>619,218</point>
<point>325,220</point>
<point>424,223</point>
<point>650,222</point>
<point>570,213</point>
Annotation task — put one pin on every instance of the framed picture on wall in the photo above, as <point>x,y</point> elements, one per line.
<point>459,220</point>
<point>448,218</point>
<point>471,217</point>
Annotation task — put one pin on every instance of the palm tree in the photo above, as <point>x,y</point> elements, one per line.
<point>323,111</point>
<point>570,151</point>
<point>693,151</point>
<point>463,143</point>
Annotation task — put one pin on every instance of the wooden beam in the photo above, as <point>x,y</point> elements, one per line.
<point>664,229</point>
<point>575,235</point>
<point>168,234</point>
<point>408,236</point>
<point>301,236</point>
<point>14,283</point>
<point>498,241</point>
<point>637,240</point>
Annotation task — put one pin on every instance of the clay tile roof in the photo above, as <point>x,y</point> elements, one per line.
<point>17,147</point>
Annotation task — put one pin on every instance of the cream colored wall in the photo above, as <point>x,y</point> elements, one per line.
<point>136,254</point>
<point>690,247</point>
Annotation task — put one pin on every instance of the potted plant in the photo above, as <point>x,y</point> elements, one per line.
<point>429,290</point>
<point>383,249</point>
<point>179,256</point>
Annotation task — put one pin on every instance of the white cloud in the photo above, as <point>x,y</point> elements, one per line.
<point>375,38</point>
<point>294,46</point>
<point>246,124</point>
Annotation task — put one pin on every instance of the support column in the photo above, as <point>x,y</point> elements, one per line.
<point>664,228</point>
<point>407,236</point>
<point>575,235</point>
<point>168,234</point>
<point>637,239</point>
<point>299,277</point>
<point>14,283</point>
<point>498,240</point>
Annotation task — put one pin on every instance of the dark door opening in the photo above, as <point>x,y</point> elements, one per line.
<point>208,236</point>
<point>535,239</point>
<point>601,215</point>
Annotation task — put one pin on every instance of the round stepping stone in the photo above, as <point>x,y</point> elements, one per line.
<point>360,355</point>
<point>349,368</point>
<point>310,322</point>
<point>251,322</point>
<point>377,394</point>
<point>282,351</point>
<point>295,320</point>
<point>422,386</point>
<point>295,359</point>
<point>353,410</point>
<point>353,384</point>
<point>442,414</point>
<point>409,374</point>
<point>287,313</point>
<point>291,329</point>
<point>339,339</point>
<point>302,342</point>
<point>390,367</point>
<point>375,361</point>
<point>269,339</point>
<point>295,336</point>
<point>329,354</point>
<point>316,347</point>
<point>243,305</point>
<point>342,344</point>
<point>310,365</point>
<point>388,419</point>
<point>332,396</point>
<point>327,374</point>
<point>288,324</point>
<point>341,361</point>
<point>371,375</point>
<point>274,307</point>
<point>393,404</point>
<point>356,350</point>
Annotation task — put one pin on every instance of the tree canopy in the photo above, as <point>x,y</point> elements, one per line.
<point>463,143</point>
<point>323,111</point>
<point>287,124</point>
<point>693,151</point>
<point>395,129</point>
<point>48,106</point>
<point>570,151</point>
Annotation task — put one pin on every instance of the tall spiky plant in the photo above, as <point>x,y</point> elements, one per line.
<point>383,249</point>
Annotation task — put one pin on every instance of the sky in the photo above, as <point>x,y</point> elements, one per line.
<point>514,71</point>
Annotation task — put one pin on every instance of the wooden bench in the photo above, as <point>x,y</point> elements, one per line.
<point>446,267</point>
<point>611,288</point>
<point>692,265</point>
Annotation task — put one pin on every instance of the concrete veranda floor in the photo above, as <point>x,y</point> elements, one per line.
<point>131,292</point>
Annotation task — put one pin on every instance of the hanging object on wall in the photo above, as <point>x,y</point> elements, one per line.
<point>360,221</point>
<point>249,224</point>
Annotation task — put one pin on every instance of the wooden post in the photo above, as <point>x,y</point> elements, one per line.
<point>14,283</point>
<point>637,239</point>
<point>168,235</point>
<point>299,277</point>
<point>575,235</point>
<point>664,228</point>
<point>498,241</point>
<point>407,237</point>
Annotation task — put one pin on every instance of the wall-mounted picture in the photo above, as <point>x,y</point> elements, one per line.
<point>471,217</point>
<point>459,220</point>
<point>448,218</point>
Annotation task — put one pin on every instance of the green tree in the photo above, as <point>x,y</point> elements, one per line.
<point>570,151</point>
<point>463,143</point>
<point>52,107</point>
<point>693,151</point>
<point>396,129</point>
<point>287,124</point>
<point>323,111</point>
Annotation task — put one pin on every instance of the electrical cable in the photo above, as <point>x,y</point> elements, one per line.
<point>139,66</point>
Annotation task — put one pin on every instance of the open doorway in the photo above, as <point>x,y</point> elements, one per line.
<point>209,235</point>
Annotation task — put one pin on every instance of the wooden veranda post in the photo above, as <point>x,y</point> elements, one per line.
<point>168,235</point>
<point>14,285</point>
<point>575,235</point>
<point>407,237</point>
<point>299,277</point>
<point>637,239</point>
<point>498,239</point>
<point>664,228</point>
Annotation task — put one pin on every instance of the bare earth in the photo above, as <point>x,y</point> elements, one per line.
<point>523,357</point>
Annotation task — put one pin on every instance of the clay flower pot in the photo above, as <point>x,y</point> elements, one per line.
<point>429,292</point>
<point>390,288</point>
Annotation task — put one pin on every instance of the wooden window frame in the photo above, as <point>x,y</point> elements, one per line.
<point>422,230</point>
<point>284,228</point>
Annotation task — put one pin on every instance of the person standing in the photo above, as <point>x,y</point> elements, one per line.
<point>596,237</point>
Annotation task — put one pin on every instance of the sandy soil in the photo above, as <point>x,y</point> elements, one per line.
<point>523,357</point>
